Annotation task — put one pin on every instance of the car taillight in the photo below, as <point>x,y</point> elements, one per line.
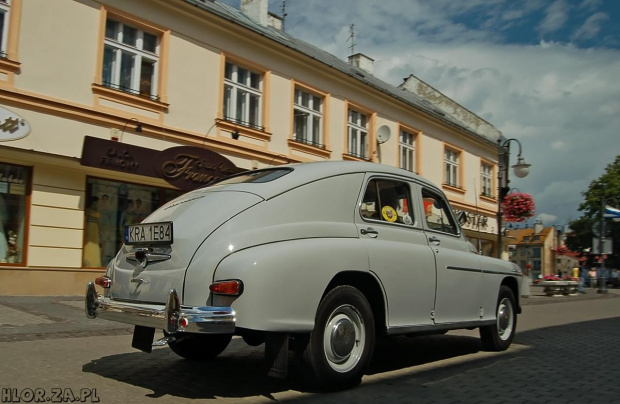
<point>103,281</point>
<point>230,288</point>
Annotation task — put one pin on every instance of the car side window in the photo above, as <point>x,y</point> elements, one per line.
<point>437,213</point>
<point>387,201</point>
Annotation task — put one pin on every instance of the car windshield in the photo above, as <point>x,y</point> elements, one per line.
<point>255,176</point>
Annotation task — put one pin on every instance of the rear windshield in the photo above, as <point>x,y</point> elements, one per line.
<point>255,176</point>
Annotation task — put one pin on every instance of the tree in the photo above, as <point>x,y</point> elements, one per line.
<point>604,190</point>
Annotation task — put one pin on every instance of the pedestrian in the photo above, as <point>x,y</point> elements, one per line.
<point>582,278</point>
<point>592,276</point>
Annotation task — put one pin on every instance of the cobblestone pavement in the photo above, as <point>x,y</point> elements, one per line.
<point>565,351</point>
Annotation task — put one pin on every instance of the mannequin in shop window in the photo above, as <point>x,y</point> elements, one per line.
<point>92,249</point>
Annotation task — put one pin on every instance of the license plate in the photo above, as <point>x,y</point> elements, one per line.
<point>149,233</point>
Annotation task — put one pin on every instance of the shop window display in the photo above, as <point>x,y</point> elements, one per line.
<point>14,183</point>
<point>111,205</point>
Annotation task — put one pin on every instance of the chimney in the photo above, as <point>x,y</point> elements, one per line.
<point>256,10</point>
<point>538,227</point>
<point>362,61</point>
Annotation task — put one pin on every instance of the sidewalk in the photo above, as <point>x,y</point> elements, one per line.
<point>28,318</point>
<point>537,296</point>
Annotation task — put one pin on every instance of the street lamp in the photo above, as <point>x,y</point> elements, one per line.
<point>521,169</point>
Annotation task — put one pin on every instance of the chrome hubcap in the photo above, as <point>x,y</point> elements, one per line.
<point>505,319</point>
<point>344,338</point>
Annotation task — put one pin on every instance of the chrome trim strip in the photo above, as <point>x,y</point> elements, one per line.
<point>464,269</point>
<point>413,329</point>
<point>205,320</point>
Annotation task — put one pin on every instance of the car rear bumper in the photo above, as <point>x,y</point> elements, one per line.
<point>171,317</point>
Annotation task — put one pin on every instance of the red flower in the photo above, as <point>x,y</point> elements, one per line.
<point>518,206</point>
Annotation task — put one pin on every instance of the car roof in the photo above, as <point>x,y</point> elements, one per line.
<point>304,173</point>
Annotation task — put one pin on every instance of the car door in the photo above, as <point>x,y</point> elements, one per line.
<point>398,251</point>
<point>459,275</point>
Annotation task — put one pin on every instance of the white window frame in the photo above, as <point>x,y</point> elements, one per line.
<point>407,146</point>
<point>119,48</point>
<point>486,179</point>
<point>5,10</point>
<point>238,92</point>
<point>451,167</point>
<point>307,111</point>
<point>358,134</point>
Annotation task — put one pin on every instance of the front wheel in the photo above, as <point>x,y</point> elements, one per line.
<point>498,337</point>
<point>200,347</point>
<point>342,342</point>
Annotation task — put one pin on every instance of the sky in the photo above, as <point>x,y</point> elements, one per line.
<point>544,72</point>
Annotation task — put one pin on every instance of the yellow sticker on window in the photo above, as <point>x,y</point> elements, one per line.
<point>389,214</point>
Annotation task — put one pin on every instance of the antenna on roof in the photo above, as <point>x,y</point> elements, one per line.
<point>352,38</point>
<point>283,13</point>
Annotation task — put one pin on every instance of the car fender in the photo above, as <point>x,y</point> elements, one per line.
<point>283,282</point>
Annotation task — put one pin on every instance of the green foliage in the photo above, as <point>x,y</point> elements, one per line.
<point>604,190</point>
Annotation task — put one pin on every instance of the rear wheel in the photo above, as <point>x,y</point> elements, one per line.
<point>498,337</point>
<point>341,344</point>
<point>200,347</point>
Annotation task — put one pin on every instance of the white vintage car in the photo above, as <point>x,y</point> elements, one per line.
<point>318,258</point>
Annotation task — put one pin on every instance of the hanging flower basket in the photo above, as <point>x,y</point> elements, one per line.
<point>518,207</point>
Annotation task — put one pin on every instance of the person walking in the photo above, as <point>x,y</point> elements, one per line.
<point>582,278</point>
<point>592,275</point>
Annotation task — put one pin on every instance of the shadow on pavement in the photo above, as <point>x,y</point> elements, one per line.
<point>239,371</point>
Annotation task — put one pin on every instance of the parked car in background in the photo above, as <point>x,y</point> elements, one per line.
<point>318,258</point>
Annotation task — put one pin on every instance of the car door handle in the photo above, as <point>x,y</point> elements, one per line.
<point>434,239</point>
<point>369,232</point>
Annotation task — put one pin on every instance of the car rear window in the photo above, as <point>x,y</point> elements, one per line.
<point>255,176</point>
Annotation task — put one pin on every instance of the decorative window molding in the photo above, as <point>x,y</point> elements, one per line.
<point>10,15</point>
<point>486,180</point>
<point>308,120</point>
<point>358,134</point>
<point>243,96</point>
<point>132,62</point>
<point>452,167</point>
<point>407,147</point>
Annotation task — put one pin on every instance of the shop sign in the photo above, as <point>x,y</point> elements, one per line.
<point>185,167</point>
<point>474,221</point>
<point>12,126</point>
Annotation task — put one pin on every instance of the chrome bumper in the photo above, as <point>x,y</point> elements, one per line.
<point>172,317</point>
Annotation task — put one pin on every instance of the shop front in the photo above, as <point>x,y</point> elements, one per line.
<point>62,220</point>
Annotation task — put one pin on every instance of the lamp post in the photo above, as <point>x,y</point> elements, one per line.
<point>521,170</point>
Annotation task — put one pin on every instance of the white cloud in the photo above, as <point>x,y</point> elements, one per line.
<point>561,101</point>
<point>591,27</point>
<point>556,17</point>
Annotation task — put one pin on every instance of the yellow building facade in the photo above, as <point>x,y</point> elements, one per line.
<point>110,108</point>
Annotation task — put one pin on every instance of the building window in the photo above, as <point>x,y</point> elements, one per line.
<point>14,185</point>
<point>358,134</point>
<point>451,167</point>
<point>308,118</point>
<point>111,206</point>
<point>407,151</point>
<point>536,252</point>
<point>130,59</point>
<point>486,179</point>
<point>242,96</point>
<point>5,9</point>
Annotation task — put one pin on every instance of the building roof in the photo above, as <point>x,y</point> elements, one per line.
<point>237,17</point>
<point>520,234</point>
